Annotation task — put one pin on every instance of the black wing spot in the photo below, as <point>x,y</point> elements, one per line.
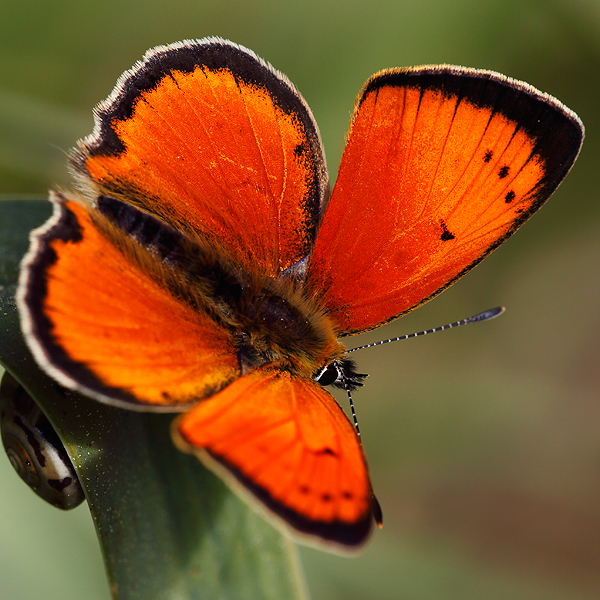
<point>300,150</point>
<point>348,495</point>
<point>504,172</point>
<point>304,489</point>
<point>328,451</point>
<point>509,197</point>
<point>446,235</point>
<point>326,498</point>
<point>488,156</point>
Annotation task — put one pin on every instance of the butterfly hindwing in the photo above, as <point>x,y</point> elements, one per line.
<point>100,323</point>
<point>207,137</point>
<point>286,440</point>
<point>441,165</point>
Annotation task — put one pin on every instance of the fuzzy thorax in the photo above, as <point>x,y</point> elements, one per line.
<point>271,321</point>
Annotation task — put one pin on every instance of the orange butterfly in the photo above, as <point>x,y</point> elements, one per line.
<point>203,266</point>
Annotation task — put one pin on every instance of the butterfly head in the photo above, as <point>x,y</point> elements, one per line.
<point>341,374</point>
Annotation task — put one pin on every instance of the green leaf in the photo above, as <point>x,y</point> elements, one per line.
<point>168,528</point>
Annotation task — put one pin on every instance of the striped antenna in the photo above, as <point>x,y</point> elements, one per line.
<point>375,506</point>
<point>483,316</point>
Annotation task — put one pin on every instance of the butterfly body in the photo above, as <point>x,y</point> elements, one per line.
<point>270,320</point>
<point>204,267</point>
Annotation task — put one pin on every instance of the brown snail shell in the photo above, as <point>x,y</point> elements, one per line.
<point>34,448</point>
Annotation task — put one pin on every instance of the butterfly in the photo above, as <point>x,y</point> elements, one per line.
<point>203,267</point>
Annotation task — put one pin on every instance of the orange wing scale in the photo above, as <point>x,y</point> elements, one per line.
<point>287,440</point>
<point>134,341</point>
<point>430,182</point>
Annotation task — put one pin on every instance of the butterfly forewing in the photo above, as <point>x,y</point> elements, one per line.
<point>214,141</point>
<point>441,165</point>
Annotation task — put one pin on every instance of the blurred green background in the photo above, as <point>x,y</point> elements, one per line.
<point>484,443</point>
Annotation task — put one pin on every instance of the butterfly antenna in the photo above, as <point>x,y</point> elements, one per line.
<point>375,506</point>
<point>483,316</point>
<point>486,315</point>
<point>353,413</point>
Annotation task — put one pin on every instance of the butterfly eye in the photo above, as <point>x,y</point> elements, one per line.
<point>327,375</point>
<point>341,374</point>
<point>34,448</point>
